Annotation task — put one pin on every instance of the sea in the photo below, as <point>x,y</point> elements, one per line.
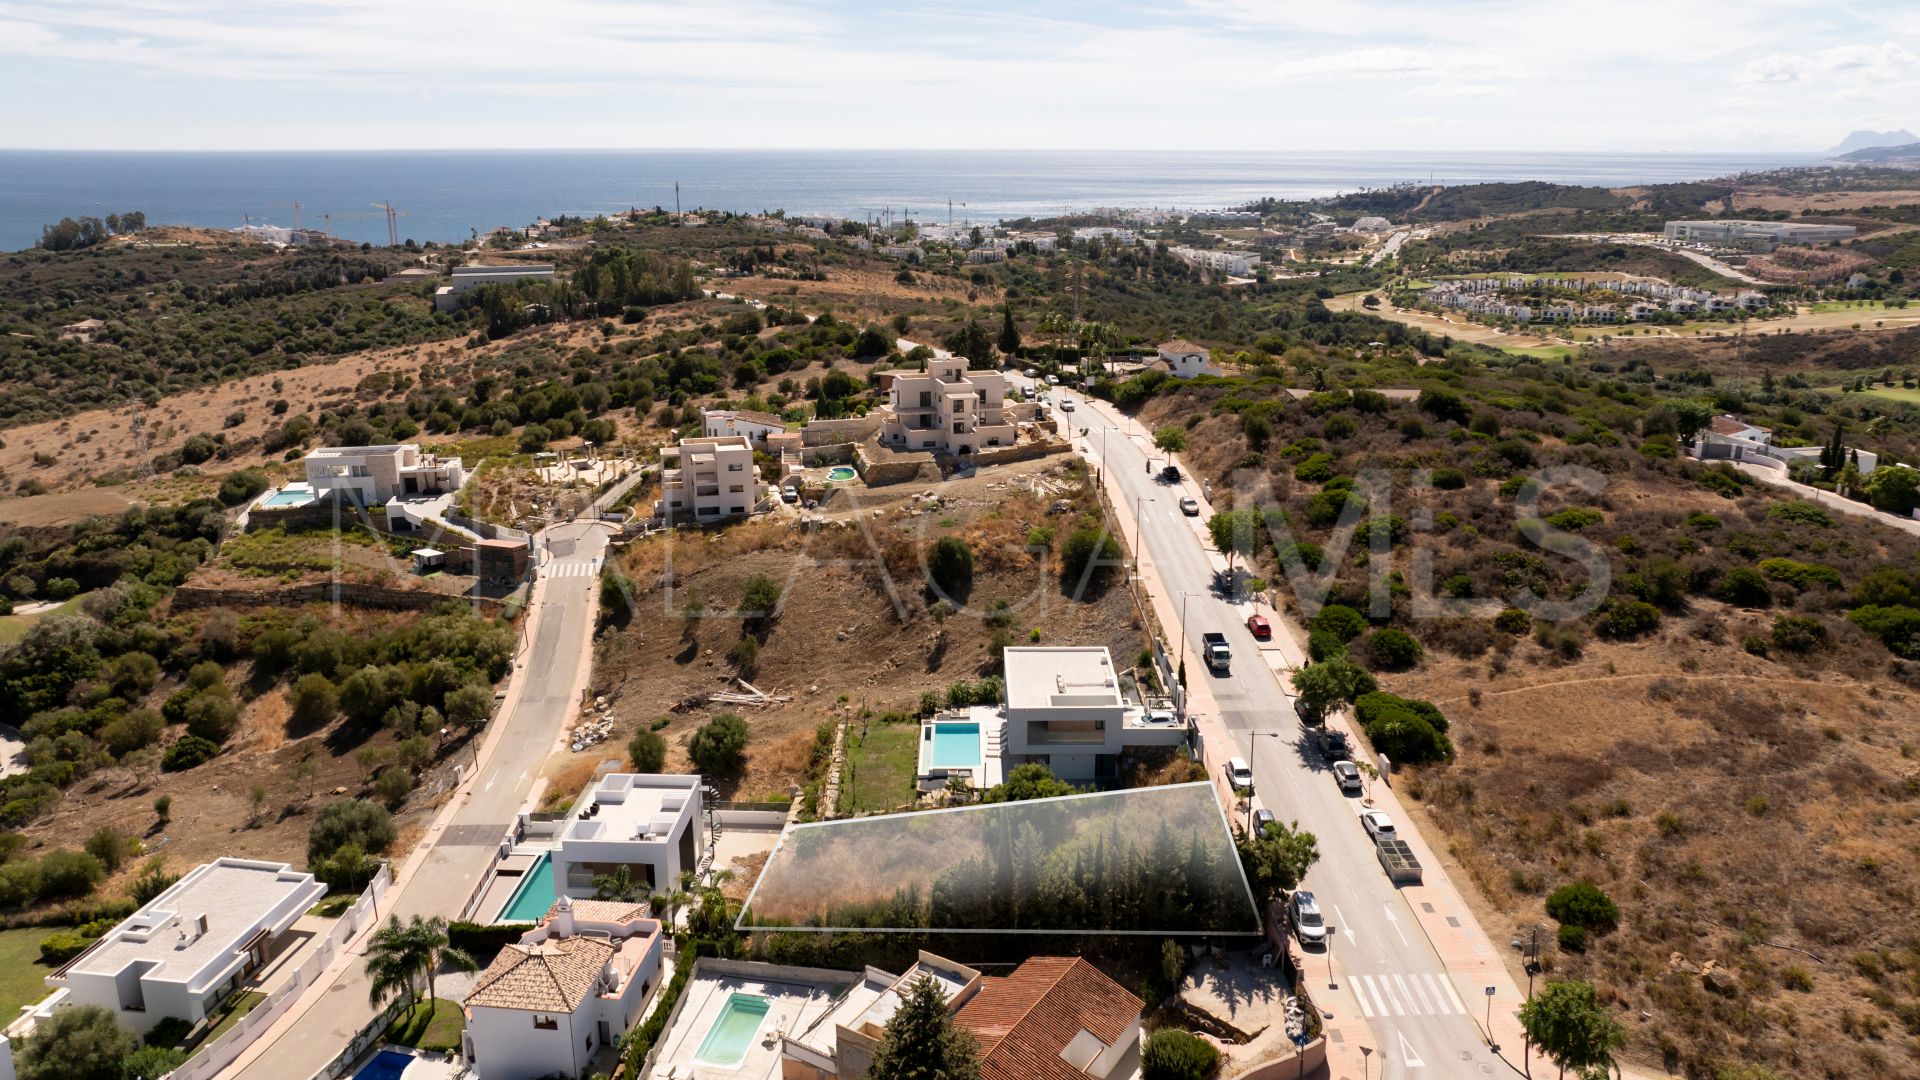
<point>451,195</point>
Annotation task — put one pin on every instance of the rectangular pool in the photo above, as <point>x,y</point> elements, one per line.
<point>287,497</point>
<point>731,1035</point>
<point>954,745</point>
<point>534,896</point>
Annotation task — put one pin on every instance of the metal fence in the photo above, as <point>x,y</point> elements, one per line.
<point>221,1052</point>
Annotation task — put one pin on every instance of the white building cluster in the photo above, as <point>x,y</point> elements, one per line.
<point>1227,262</point>
<point>1485,296</point>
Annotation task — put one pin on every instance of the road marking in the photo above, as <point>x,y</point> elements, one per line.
<point>1419,991</point>
<point>1345,926</point>
<point>1406,1053</point>
<point>1447,983</point>
<point>1388,908</point>
<point>1359,993</point>
<point>1384,991</point>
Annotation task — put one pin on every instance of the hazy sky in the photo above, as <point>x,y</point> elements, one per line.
<point>1176,74</point>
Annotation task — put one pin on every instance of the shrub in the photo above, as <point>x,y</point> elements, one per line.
<point>241,486</point>
<point>1172,1054</point>
<point>313,701</point>
<point>212,715</point>
<point>393,785</point>
<point>110,846</point>
<point>188,751</point>
<point>648,752</point>
<point>1582,903</point>
<point>62,947</point>
<point>1897,627</point>
<point>1798,634</point>
<point>1317,469</point>
<point>65,875</point>
<point>1574,518</point>
<point>950,565</point>
<point>1743,586</point>
<point>1407,730</point>
<point>1340,621</point>
<point>760,603</point>
<point>720,745</point>
<point>1513,621</point>
<point>1449,479</point>
<point>1572,938</point>
<point>1802,576</point>
<point>1393,649</point>
<point>132,731</point>
<point>1625,619</point>
<point>1090,555</point>
<point>355,821</point>
<point>1801,513</point>
<point>745,655</point>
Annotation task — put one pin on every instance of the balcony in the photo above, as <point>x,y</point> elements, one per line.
<point>1039,734</point>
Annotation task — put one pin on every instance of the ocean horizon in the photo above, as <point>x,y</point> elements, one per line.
<point>449,195</point>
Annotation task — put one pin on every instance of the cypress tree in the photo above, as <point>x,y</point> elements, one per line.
<point>921,1042</point>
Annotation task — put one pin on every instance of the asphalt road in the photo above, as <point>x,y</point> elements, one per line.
<point>1418,1015</point>
<point>570,554</point>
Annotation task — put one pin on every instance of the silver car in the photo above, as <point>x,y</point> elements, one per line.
<point>1348,775</point>
<point>1308,925</point>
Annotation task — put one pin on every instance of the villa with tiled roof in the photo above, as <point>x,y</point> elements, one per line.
<point>1053,1018</point>
<point>566,992</point>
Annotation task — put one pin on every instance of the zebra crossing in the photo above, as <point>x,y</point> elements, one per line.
<point>1406,995</point>
<point>571,569</point>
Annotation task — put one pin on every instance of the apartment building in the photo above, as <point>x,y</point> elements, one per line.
<point>947,409</point>
<point>1756,235</point>
<point>708,479</point>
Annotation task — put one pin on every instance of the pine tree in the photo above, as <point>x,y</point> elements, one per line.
<point>1009,333</point>
<point>921,1042</point>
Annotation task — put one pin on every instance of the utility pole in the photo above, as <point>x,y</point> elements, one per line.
<point>676,204</point>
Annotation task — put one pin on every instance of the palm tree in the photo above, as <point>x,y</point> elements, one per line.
<point>391,962</point>
<point>618,885</point>
<point>435,951</point>
<point>667,905</point>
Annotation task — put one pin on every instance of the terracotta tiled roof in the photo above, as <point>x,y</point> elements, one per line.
<point>1024,1020</point>
<point>601,911</point>
<point>553,976</point>
<point>1182,345</point>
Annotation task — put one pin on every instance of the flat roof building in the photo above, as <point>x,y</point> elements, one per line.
<point>1065,710</point>
<point>708,479</point>
<point>650,823</point>
<point>468,278</point>
<point>191,946</point>
<point>1756,235</point>
<point>947,408</point>
<point>376,474</point>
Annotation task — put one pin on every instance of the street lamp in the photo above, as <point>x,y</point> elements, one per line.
<point>1139,524</point>
<point>1183,629</point>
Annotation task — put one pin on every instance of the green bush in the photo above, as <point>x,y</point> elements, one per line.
<point>1317,469</point>
<point>1744,587</point>
<point>719,747</point>
<point>1449,479</point>
<point>1582,903</point>
<point>1802,576</point>
<point>1393,649</point>
<point>950,565</point>
<point>1172,1054</point>
<point>1626,619</point>
<point>1090,554</point>
<point>483,941</point>
<point>1574,518</point>
<point>349,821</point>
<point>1408,730</point>
<point>59,948</point>
<point>1339,620</point>
<point>241,486</point>
<point>1897,626</point>
<point>1513,621</point>
<point>1572,938</point>
<point>1798,634</point>
<point>187,752</point>
<point>1801,513</point>
<point>648,752</point>
<point>65,875</point>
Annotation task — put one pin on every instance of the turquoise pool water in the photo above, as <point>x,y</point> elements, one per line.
<point>955,745</point>
<point>285,497</point>
<point>534,896</point>
<point>841,473</point>
<point>731,1036</point>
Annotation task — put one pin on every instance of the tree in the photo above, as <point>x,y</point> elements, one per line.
<point>1277,858</point>
<point>1895,489</point>
<point>1393,649</point>
<point>1031,781</point>
<point>349,821</point>
<point>1172,439</point>
<point>1582,903</point>
<point>80,1042</point>
<point>971,341</point>
<point>1009,333</point>
<point>950,565</point>
<point>471,704</point>
<point>720,745</point>
<point>1568,1023</point>
<point>760,603</point>
<point>399,952</point>
<point>1090,555</point>
<point>921,1041</point>
<point>312,700</point>
<point>618,885</point>
<point>1333,680</point>
<point>872,344</point>
<point>241,486</point>
<point>1235,532</point>
<point>648,752</point>
<point>1173,1054</point>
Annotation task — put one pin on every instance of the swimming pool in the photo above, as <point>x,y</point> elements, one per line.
<point>841,473</point>
<point>287,496</point>
<point>386,1065</point>
<point>534,896</point>
<point>954,745</point>
<point>731,1035</point>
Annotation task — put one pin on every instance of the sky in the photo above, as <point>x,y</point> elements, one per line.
<point>1304,75</point>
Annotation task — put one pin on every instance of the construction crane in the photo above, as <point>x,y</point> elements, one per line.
<point>296,211</point>
<point>329,219</point>
<point>393,229</point>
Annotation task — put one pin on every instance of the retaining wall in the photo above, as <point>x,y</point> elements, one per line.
<point>852,429</point>
<point>193,597</point>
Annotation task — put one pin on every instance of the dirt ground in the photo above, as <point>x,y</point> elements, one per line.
<point>1615,768</point>
<point>871,292</point>
<point>840,644</point>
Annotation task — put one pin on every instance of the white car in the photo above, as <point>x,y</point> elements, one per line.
<point>1031,374</point>
<point>1190,506</point>
<point>1348,775</point>
<point>1378,825</point>
<point>1308,925</point>
<point>1066,404</point>
<point>1239,774</point>
<point>1053,380</point>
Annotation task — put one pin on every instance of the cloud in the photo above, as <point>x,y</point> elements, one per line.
<point>1841,64</point>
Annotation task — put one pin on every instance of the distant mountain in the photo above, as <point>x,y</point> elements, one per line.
<point>1863,140</point>
<point>1908,154</point>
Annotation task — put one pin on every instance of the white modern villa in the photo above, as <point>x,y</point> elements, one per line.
<point>1184,359</point>
<point>1064,709</point>
<point>708,479</point>
<point>191,946</point>
<point>375,474</point>
<point>756,426</point>
<point>947,409</point>
<point>562,996</point>
<point>650,823</point>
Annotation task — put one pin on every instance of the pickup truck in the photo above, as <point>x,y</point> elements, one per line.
<point>1215,648</point>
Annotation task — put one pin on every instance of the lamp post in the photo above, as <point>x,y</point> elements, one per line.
<point>1183,629</point>
<point>1139,524</point>
<point>1331,931</point>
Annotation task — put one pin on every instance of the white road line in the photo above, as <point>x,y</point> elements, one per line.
<point>1345,926</point>
<point>1385,992</point>
<point>1447,982</point>
<point>1419,991</point>
<point>1365,1008</point>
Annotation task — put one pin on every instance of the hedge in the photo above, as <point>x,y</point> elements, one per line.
<point>483,941</point>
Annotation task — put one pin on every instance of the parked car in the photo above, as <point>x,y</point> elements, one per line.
<point>1066,404</point>
<point>1303,911</point>
<point>1161,716</point>
<point>1031,374</point>
<point>1333,745</point>
<point>1190,506</point>
<point>1309,716</point>
<point>1378,825</point>
<point>790,494</point>
<point>1262,818</point>
<point>1053,380</point>
<point>1258,626</point>
<point>1239,774</point>
<point>1348,774</point>
<point>1171,474</point>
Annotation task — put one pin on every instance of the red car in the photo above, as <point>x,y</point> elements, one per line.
<point>1257,626</point>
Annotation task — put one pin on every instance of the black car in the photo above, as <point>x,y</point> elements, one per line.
<point>1170,474</point>
<point>1333,745</point>
<point>1309,717</point>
